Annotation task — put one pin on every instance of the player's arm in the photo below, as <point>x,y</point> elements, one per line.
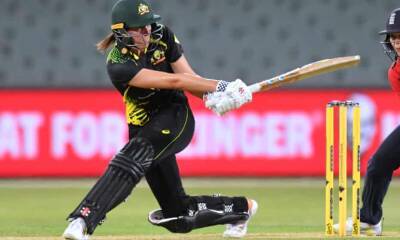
<point>224,97</point>
<point>182,66</point>
<point>147,78</point>
<point>394,77</point>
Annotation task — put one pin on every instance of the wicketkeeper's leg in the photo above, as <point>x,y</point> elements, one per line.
<point>379,175</point>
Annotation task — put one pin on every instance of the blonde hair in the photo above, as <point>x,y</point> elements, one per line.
<point>105,43</point>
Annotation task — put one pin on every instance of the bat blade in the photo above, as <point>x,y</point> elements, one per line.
<point>307,71</point>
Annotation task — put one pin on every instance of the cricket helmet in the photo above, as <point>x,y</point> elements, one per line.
<point>127,14</point>
<point>392,26</point>
<point>132,13</point>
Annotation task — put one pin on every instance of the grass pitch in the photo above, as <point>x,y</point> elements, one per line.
<point>288,209</point>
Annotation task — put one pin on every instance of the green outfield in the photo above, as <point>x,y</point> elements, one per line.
<point>288,209</point>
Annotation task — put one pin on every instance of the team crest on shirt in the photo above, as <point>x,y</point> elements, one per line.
<point>143,9</point>
<point>158,57</point>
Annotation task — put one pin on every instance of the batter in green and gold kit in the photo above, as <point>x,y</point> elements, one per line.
<point>146,65</point>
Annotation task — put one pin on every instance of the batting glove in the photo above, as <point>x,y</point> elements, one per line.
<point>229,96</point>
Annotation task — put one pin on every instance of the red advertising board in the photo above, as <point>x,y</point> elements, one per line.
<point>281,133</point>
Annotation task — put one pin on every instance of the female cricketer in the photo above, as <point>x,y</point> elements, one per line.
<point>146,65</point>
<point>387,158</point>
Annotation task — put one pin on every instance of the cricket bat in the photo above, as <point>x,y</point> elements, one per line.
<point>306,71</point>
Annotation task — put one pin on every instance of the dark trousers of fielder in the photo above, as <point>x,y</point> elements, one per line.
<point>379,175</point>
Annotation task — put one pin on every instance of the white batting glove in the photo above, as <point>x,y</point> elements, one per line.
<point>211,99</point>
<point>235,95</point>
<point>229,96</point>
<point>240,92</point>
<point>226,104</point>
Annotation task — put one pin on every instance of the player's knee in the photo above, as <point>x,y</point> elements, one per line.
<point>135,157</point>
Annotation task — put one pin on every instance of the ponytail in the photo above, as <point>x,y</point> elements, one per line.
<point>105,43</point>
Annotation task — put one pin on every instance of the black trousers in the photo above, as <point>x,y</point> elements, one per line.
<point>166,185</point>
<point>169,130</point>
<point>169,133</point>
<point>379,175</point>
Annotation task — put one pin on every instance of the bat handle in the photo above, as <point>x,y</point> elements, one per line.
<point>256,87</point>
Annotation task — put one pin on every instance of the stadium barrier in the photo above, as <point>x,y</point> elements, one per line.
<point>74,133</point>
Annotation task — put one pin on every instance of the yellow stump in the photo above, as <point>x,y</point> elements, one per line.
<point>342,169</point>
<point>329,168</point>
<point>356,171</point>
<point>329,171</point>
